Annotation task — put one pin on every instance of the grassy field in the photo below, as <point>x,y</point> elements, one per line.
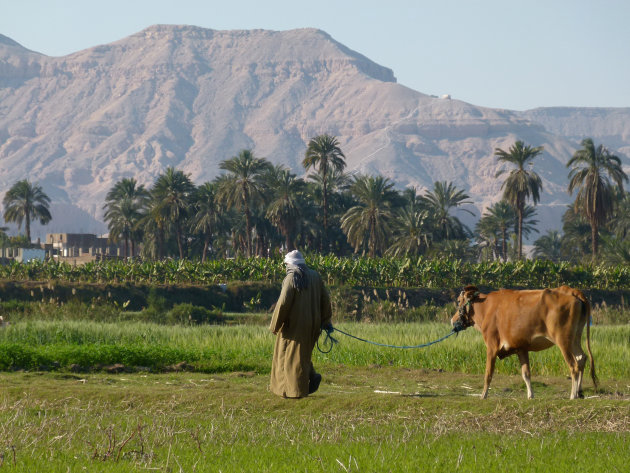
<point>363,419</point>
<point>378,409</point>
<point>86,346</point>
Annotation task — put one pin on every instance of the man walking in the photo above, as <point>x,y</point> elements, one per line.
<point>301,311</point>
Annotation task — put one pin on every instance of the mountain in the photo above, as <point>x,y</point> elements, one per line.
<point>191,97</point>
<point>610,126</point>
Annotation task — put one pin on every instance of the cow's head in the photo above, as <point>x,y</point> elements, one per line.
<point>465,312</point>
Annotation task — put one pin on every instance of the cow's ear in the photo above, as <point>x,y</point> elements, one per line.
<point>471,291</point>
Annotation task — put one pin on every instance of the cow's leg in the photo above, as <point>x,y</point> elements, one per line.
<point>567,353</point>
<point>490,360</point>
<point>523,357</point>
<point>580,358</point>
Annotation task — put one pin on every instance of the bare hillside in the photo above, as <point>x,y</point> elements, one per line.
<point>191,97</point>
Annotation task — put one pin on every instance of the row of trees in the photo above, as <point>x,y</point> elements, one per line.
<point>255,207</point>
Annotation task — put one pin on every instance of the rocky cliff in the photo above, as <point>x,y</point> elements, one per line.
<point>191,97</point>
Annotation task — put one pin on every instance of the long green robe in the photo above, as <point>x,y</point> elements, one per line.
<point>297,321</point>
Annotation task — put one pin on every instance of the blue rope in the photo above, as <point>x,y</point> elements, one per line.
<point>423,345</point>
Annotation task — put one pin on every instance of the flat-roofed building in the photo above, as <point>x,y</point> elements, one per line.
<point>81,247</point>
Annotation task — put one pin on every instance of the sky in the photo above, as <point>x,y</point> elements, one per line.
<point>509,54</point>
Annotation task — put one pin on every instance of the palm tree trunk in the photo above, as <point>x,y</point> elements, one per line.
<point>504,244</point>
<point>325,236</point>
<point>288,242</point>
<point>27,216</point>
<point>257,244</point>
<point>160,243</point>
<point>248,229</point>
<point>264,246</point>
<point>520,232</point>
<point>178,235</point>
<point>206,244</point>
<point>594,238</point>
<point>126,247</point>
<point>371,242</point>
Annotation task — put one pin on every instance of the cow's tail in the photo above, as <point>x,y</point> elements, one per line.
<point>587,308</point>
<point>586,305</point>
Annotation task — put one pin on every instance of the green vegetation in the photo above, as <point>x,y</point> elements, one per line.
<point>25,202</point>
<point>105,390</point>
<point>361,419</point>
<point>163,365</point>
<point>368,222</point>
<point>592,170</point>
<point>258,209</point>
<point>521,184</point>
<point>86,346</point>
<point>364,272</point>
<point>124,203</point>
<point>324,153</point>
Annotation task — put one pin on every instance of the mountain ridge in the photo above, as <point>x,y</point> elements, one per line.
<point>190,97</point>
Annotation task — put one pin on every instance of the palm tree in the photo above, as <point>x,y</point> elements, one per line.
<point>620,221</point>
<point>520,185</point>
<point>502,218</point>
<point>549,246</point>
<point>453,250</point>
<point>124,208</point>
<point>576,239</point>
<point>323,152</point>
<point>157,229</point>
<point>412,232</point>
<point>413,226</point>
<point>26,202</point>
<point>370,221</point>
<point>487,236</point>
<point>207,214</point>
<point>336,181</point>
<point>592,169</point>
<point>444,198</point>
<point>3,240</point>
<point>284,209</point>
<point>530,224</point>
<point>243,186</point>
<point>172,194</point>
<point>264,234</point>
<point>309,230</point>
<point>616,251</point>
<point>122,217</point>
<point>339,201</point>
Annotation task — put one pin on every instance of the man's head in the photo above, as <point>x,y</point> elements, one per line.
<point>294,258</point>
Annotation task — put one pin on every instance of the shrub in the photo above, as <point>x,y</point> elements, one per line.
<point>192,314</point>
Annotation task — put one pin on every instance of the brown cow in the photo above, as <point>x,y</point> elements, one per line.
<point>518,322</point>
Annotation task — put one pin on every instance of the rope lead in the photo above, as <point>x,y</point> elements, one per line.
<point>333,340</point>
<point>329,337</point>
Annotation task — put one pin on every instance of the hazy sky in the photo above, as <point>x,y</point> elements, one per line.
<point>496,53</point>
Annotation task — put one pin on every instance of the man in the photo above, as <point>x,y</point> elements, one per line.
<point>301,311</point>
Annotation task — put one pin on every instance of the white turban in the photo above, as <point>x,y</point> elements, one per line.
<point>294,258</point>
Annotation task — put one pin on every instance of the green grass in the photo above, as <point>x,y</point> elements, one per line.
<point>427,421</point>
<point>378,409</point>
<point>57,345</point>
<point>352,271</point>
